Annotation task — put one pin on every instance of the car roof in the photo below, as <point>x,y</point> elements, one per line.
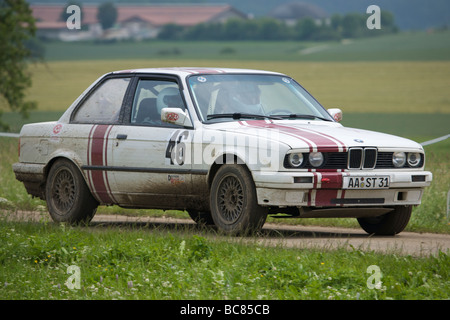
<point>186,71</point>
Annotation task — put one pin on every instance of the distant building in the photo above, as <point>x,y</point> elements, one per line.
<point>291,12</point>
<point>133,21</point>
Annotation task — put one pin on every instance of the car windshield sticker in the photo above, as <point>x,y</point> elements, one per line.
<point>201,79</point>
<point>286,80</point>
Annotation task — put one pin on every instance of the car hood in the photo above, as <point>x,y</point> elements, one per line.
<point>315,135</point>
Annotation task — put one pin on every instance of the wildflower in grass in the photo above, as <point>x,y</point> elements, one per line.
<point>182,247</point>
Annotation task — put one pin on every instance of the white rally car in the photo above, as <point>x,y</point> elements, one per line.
<point>229,146</point>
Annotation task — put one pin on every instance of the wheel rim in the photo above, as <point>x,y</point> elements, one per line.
<point>230,199</point>
<point>63,193</point>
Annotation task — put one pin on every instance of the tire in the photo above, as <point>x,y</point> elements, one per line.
<point>389,224</point>
<point>201,217</point>
<point>234,206</point>
<point>68,197</point>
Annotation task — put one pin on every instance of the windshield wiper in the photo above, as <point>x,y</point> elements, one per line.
<point>301,116</point>
<point>238,115</point>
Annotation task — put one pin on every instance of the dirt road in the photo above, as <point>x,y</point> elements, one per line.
<point>405,243</point>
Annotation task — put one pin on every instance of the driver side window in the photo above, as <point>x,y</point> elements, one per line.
<point>150,98</point>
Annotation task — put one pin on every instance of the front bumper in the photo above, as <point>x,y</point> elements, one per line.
<point>326,189</point>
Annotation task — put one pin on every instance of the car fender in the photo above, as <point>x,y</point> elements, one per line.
<point>65,154</point>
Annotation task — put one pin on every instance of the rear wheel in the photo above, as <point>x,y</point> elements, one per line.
<point>389,224</point>
<point>67,195</point>
<point>234,206</point>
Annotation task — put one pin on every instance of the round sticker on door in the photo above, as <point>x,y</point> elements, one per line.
<point>57,129</point>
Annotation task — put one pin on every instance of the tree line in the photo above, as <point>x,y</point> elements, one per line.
<point>351,25</point>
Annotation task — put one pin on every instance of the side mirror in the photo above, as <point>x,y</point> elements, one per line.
<point>336,114</point>
<point>176,116</point>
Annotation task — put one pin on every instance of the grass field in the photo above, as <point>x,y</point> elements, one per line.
<point>413,46</point>
<point>364,87</point>
<point>147,263</point>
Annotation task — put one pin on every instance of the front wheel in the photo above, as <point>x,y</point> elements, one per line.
<point>234,206</point>
<point>67,195</point>
<point>388,224</point>
<point>201,217</point>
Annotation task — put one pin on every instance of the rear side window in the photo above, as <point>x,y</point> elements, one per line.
<point>104,104</point>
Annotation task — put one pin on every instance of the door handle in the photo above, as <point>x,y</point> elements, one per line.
<point>122,136</point>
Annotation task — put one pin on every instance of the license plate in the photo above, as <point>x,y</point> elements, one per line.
<point>380,182</point>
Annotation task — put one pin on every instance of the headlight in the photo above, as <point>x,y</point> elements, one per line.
<point>295,159</point>
<point>316,159</point>
<point>414,159</point>
<point>398,159</point>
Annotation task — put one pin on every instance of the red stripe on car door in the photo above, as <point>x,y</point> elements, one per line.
<point>97,155</point>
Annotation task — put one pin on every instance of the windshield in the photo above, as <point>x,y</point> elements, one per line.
<point>226,97</point>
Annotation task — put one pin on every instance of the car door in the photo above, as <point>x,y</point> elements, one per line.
<point>150,158</point>
<point>88,134</point>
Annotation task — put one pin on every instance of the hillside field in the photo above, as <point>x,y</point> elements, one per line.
<point>363,87</point>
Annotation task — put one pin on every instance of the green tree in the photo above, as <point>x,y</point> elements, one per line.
<point>170,31</point>
<point>271,29</point>
<point>17,25</point>
<point>306,28</point>
<point>353,25</point>
<point>107,15</point>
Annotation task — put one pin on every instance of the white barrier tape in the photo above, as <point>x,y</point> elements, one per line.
<point>448,203</point>
<point>435,140</point>
<point>11,135</point>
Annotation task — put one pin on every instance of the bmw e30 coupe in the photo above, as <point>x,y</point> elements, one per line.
<point>229,146</point>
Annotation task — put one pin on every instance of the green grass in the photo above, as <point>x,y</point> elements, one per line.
<point>413,46</point>
<point>120,262</point>
<point>419,127</point>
